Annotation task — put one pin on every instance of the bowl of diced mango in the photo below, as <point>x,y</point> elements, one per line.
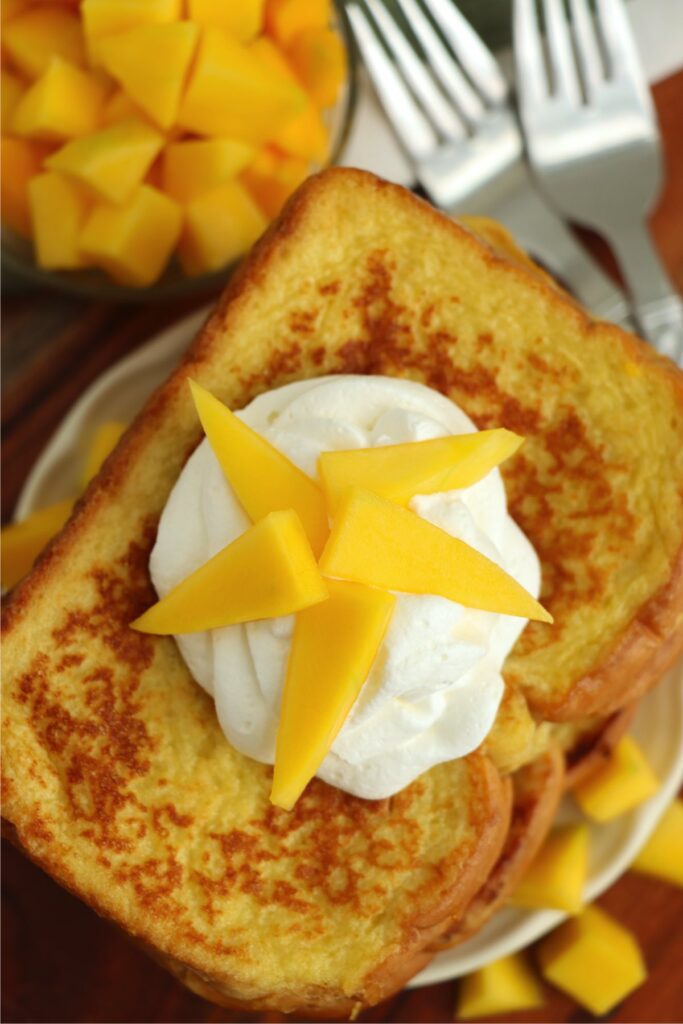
<point>146,144</point>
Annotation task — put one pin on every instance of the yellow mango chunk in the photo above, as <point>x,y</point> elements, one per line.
<point>63,103</point>
<point>21,160</point>
<point>319,60</point>
<point>376,542</point>
<point>11,91</point>
<point>623,782</point>
<point>594,959</point>
<point>111,162</point>
<point>200,165</point>
<point>227,81</point>
<point>557,875</point>
<point>220,226</point>
<point>400,471</point>
<point>58,212</point>
<point>23,542</point>
<point>285,19</point>
<point>503,986</point>
<point>263,479</point>
<point>241,20</point>
<point>133,242</point>
<point>33,38</point>
<point>271,179</point>
<point>120,107</point>
<point>662,855</point>
<point>268,571</point>
<point>103,441</point>
<point>108,17</point>
<point>320,690</point>
<point>151,64</point>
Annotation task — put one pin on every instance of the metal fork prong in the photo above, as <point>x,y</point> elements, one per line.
<point>442,62</point>
<point>439,110</point>
<point>532,80</point>
<point>413,128</point>
<point>563,65</point>
<point>470,49</point>
<point>620,46</point>
<point>588,53</point>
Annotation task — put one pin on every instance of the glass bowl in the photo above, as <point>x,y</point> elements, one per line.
<point>21,273</point>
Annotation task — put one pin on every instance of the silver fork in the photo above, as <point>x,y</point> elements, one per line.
<point>593,142</point>
<point>448,103</point>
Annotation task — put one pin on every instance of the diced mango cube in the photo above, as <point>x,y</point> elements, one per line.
<point>200,165</point>
<point>21,160</point>
<point>151,64</point>
<point>271,179</point>
<point>220,226</point>
<point>64,103</point>
<point>11,92</point>
<point>102,442</point>
<point>368,543</point>
<point>108,17</point>
<point>23,542</point>
<point>59,209</point>
<point>111,162</point>
<point>133,241</point>
<point>662,855</point>
<point>33,38</point>
<point>400,471</point>
<point>622,782</point>
<point>226,84</point>
<point>594,959</point>
<point>267,571</point>
<point>320,691</point>
<point>503,986</point>
<point>120,107</point>
<point>263,479</point>
<point>319,59</point>
<point>557,875</point>
<point>285,19</point>
<point>242,20</point>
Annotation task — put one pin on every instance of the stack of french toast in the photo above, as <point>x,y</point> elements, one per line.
<point>117,778</point>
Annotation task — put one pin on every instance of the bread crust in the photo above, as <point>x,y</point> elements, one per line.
<point>593,746</point>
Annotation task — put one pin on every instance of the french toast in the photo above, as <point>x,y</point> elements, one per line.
<point>116,777</point>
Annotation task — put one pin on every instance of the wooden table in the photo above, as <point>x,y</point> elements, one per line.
<point>63,963</point>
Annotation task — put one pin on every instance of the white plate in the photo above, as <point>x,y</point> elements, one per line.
<point>119,393</point>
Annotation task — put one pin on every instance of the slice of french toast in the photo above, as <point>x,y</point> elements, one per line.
<point>116,776</point>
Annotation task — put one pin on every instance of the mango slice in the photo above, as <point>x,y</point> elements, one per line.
<point>557,875</point>
<point>623,782</point>
<point>63,103</point>
<point>151,63</point>
<point>21,160</point>
<point>22,542</point>
<point>228,80</point>
<point>268,571</point>
<point>320,690</point>
<point>11,91</point>
<point>108,17</point>
<point>241,20</point>
<point>662,855</point>
<point>102,443</point>
<point>594,959</point>
<point>503,986</point>
<point>372,538</point>
<point>111,162</point>
<point>34,37</point>
<point>271,179</point>
<point>400,471</point>
<point>263,479</point>
<point>133,242</point>
<point>120,107</point>
<point>285,19</point>
<point>319,60</point>
<point>200,165</point>
<point>58,212</point>
<point>220,226</point>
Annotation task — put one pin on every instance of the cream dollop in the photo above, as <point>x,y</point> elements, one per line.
<point>435,687</point>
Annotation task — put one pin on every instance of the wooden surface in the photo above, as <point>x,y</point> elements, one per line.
<point>63,963</point>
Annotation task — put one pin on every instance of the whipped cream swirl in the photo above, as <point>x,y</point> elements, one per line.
<point>434,690</point>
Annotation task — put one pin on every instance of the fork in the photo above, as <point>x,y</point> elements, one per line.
<point>448,102</point>
<point>593,142</point>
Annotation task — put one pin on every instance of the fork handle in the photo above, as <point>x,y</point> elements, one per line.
<point>656,306</point>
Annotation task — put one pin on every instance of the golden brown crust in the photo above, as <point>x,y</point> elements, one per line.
<point>587,745</point>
